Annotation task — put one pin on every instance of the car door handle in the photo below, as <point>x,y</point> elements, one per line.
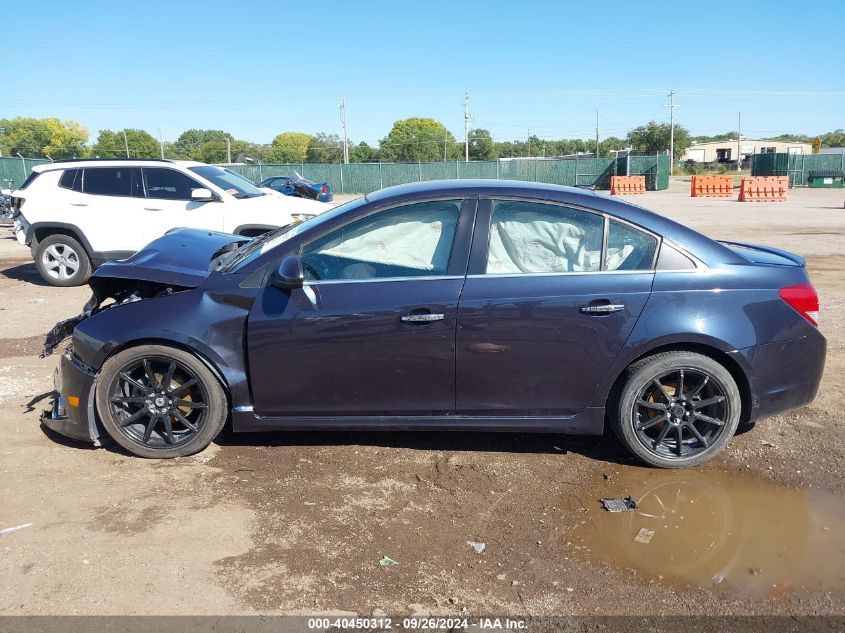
<point>152,208</point>
<point>79,204</point>
<point>602,308</point>
<point>421,318</point>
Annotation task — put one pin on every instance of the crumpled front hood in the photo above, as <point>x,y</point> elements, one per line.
<point>181,257</point>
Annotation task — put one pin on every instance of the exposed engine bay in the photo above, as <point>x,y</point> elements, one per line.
<point>108,293</point>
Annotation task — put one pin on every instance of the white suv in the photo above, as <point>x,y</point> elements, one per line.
<point>76,215</point>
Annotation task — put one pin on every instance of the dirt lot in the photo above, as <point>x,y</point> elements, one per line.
<point>297,523</point>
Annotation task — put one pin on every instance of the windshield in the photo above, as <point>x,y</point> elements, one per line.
<point>228,181</point>
<point>263,243</point>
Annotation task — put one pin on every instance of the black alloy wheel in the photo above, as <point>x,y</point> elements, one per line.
<point>157,401</point>
<point>676,409</point>
<point>681,413</point>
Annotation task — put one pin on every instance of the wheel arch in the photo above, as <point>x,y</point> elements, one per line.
<point>738,372</point>
<point>42,230</point>
<point>251,230</point>
<point>205,360</point>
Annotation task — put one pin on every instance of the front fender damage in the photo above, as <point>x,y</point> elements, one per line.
<point>108,293</point>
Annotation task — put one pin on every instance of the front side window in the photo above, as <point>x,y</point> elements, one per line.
<point>629,248</point>
<point>168,184</point>
<point>413,240</point>
<point>113,181</point>
<point>532,237</point>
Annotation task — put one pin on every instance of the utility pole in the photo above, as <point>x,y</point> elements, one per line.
<point>739,141</point>
<point>467,119</point>
<point>126,143</point>
<point>597,133</point>
<point>445,141</point>
<point>529,142</point>
<point>228,150</point>
<point>342,107</point>
<point>672,107</point>
<point>161,143</point>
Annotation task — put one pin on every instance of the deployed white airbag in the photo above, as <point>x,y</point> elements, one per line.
<point>535,238</point>
<point>417,237</point>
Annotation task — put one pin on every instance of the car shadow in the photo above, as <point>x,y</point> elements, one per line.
<point>597,447</point>
<point>24,272</point>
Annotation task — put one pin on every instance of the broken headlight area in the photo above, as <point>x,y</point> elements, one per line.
<point>108,293</point>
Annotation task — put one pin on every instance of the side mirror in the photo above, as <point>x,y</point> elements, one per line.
<point>289,274</point>
<point>202,194</point>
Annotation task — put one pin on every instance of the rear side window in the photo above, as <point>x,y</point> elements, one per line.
<point>113,181</point>
<point>168,184</point>
<point>629,248</point>
<point>32,176</point>
<point>531,237</point>
<point>71,179</point>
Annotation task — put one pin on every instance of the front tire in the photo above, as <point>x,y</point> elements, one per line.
<point>676,409</point>
<point>62,261</point>
<point>159,402</point>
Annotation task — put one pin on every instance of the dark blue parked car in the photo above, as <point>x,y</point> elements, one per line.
<point>506,306</point>
<point>296,185</point>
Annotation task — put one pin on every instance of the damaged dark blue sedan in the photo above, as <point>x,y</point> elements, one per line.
<point>506,306</point>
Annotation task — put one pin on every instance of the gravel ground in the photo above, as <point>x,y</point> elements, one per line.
<point>297,522</point>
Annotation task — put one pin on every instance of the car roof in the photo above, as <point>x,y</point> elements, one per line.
<point>111,162</point>
<point>480,187</point>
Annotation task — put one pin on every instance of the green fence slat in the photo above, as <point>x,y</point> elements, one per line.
<point>367,177</point>
<point>796,166</point>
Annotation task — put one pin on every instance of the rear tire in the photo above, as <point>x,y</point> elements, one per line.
<point>676,409</point>
<point>62,261</point>
<point>159,402</point>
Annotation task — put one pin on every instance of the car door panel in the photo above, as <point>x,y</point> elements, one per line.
<point>168,204</point>
<point>109,208</point>
<point>525,347</point>
<point>533,343</point>
<point>364,346</point>
<point>343,348</point>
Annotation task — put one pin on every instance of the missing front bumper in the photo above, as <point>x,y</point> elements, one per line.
<point>73,413</point>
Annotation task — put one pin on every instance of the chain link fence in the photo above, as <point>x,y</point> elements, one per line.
<point>367,177</point>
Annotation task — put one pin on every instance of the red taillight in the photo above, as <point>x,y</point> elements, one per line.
<point>324,189</point>
<point>804,299</point>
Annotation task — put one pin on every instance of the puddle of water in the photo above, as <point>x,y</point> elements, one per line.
<point>718,530</point>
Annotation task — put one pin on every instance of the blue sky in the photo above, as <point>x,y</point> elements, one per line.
<point>259,68</point>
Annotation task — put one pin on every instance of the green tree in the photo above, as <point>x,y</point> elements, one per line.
<point>38,137</point>
<point>611,144</point>
<point>654,137</point>
<point>725,136</point>
<point>289,147</point>
<point>509,149</point>
<point>208,146</point>
<point>419,139</point>
<point>112,145</point>
<point>481,145</point>
<point>325,148</point>
<point>363,153</point>
<point>67,139</point>
<point>25,135</point>
<point>834,139</point>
